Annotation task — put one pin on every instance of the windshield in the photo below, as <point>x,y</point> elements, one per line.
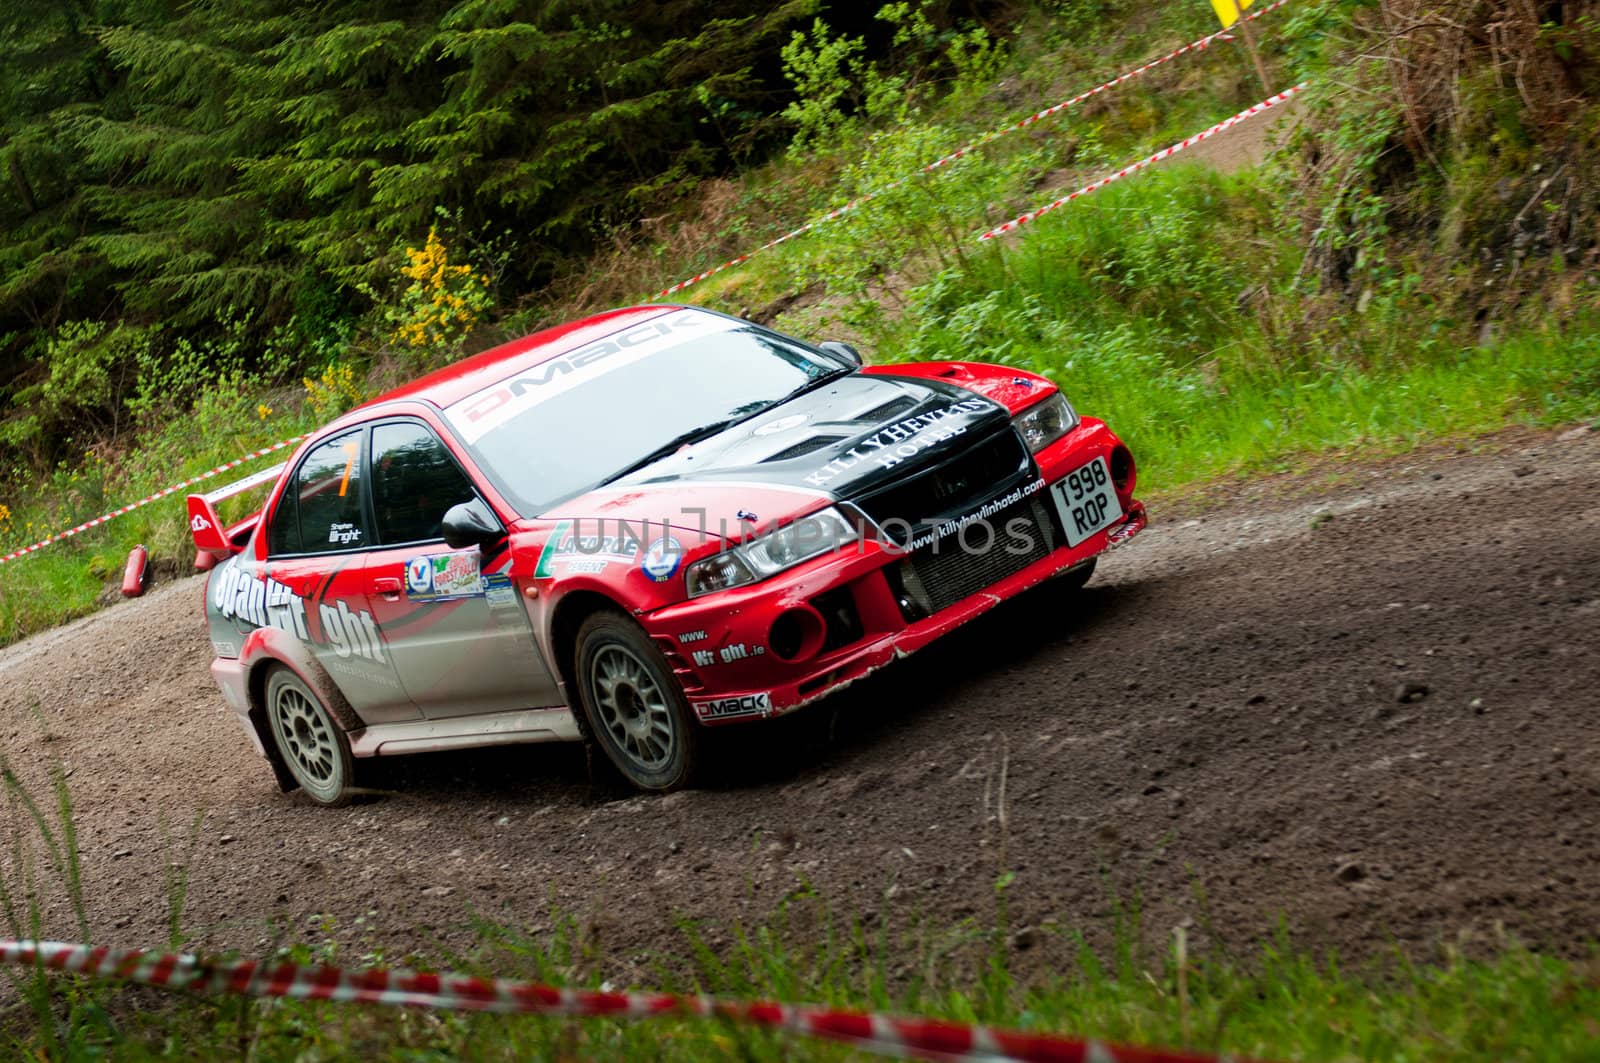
<point>568,425</point>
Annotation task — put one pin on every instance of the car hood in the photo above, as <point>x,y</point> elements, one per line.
<point>845,439</point>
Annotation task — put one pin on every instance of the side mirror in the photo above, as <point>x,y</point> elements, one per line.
<point>843,350</point>
<point>470,524</point>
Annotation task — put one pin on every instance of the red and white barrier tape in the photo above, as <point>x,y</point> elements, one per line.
<point>992,135</point>
<point>921,1038</point>
<point>158,496</point>
<point>1249,112</point>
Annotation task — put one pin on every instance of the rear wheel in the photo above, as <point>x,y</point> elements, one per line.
<point>309,740</point>
<point>634,707</point>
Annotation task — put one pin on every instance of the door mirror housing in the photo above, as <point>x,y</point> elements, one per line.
<point>843,350</point>
<point>470,524</point>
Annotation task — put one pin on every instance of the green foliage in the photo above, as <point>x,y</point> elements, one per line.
<point>66,1020</point>
<point>825,70</point>
<point>163,168</point>
<point>88,367</point>
<point>1135,303</point>
<point>169,164</point>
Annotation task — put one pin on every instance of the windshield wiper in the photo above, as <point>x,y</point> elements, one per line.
<point>814,383</point>
<point>672,446</point>
<point>695,435</point>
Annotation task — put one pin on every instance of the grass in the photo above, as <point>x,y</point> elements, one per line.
<point>1285,1006</point>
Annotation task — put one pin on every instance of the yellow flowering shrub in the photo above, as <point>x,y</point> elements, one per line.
<point>12,533</point>
<point>443,302</point>
<point>332,393</point>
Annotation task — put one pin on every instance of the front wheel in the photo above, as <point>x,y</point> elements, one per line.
<point>308,739</point>
<point>634,707</point>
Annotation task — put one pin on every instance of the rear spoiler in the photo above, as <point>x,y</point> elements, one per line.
<point>211,536</point>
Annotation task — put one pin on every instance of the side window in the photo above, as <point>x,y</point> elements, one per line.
<point>414,481</point>
<point>283,535</point>
<point>325,508</point>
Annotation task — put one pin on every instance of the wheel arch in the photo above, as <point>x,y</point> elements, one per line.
<point>570,613</point>
<point>315,677</point>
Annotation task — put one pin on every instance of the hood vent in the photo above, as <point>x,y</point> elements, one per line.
<point>804,447</point>
<point>888,411</point>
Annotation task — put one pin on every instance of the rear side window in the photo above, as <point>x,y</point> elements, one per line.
<point>414,481</point>
<point>321,509</point>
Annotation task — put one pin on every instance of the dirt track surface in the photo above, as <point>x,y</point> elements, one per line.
<point>1370,710</point>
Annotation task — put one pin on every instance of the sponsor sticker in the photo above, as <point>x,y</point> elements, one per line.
<point>264,602</point>
<point>478,414</point>
<point>444,577</point>
<point>734,651</point>
<point>959,525</point>
<point>894,443</point>
<point>662,559</point>
<point>198,523</point>
<point>591,544</point>
<point>691,636</point>
<point>728,708</point>
<point>497,589</point>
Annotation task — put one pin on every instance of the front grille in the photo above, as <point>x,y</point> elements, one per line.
<point>939,575</point>
<point>951,489</point>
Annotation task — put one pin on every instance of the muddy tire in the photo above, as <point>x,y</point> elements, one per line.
<point>309,741</point>
<point>634,708</point>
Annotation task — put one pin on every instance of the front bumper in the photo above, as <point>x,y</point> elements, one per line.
<point>770,648</point>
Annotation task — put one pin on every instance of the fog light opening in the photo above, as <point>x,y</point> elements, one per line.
<point>797,634</point>
<point>1123,474</point>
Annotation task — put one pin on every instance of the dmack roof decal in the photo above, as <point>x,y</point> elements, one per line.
<point>476,415</point>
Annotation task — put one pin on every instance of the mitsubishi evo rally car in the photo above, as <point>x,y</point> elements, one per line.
<point>633,527</point>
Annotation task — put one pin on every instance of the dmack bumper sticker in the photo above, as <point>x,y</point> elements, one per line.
<point>727,708</point>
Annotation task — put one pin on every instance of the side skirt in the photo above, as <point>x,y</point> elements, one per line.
<point>493,729</point>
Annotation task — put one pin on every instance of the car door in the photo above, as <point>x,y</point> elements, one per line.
<point>318,538</point>
<point>453,623</point>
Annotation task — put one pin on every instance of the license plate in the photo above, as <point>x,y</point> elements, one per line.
<point>1086,501</point>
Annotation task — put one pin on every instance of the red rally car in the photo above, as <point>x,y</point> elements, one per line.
<point>631,527</point>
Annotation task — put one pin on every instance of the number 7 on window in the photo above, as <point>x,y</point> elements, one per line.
<point>352,449</point>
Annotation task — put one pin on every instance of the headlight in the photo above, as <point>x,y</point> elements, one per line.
<point>1046,422</point>
<point>811,536</point>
